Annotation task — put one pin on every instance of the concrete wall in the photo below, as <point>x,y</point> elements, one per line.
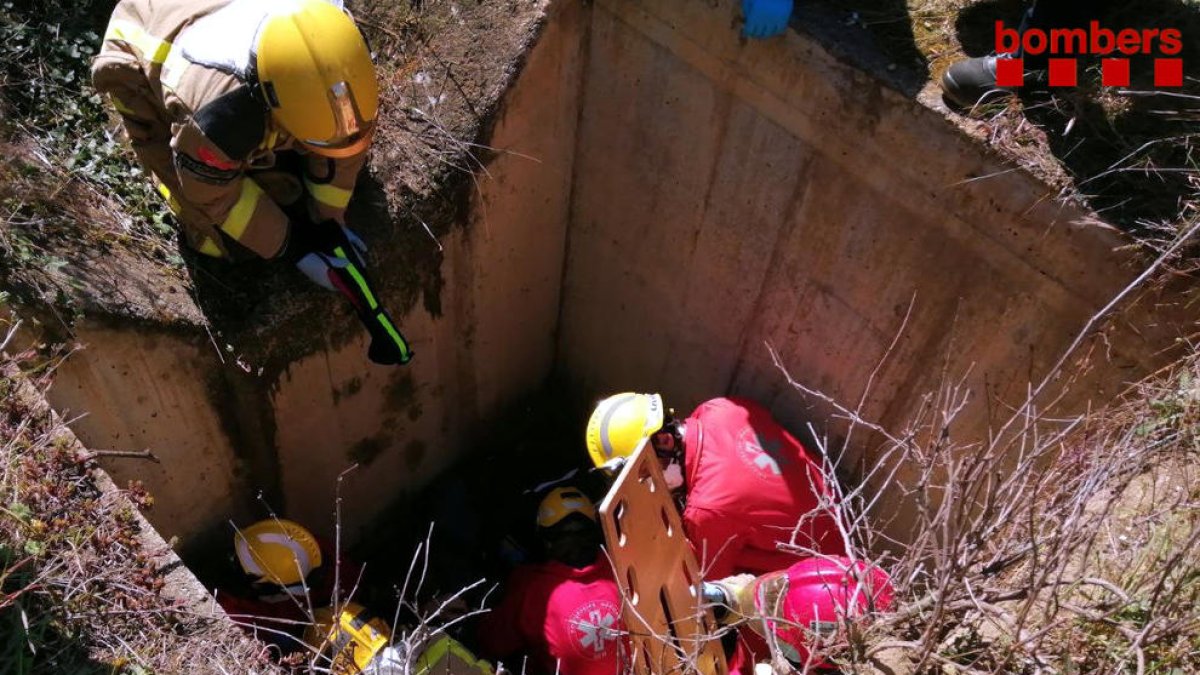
<point>132,390</point>
<point>228,648</point>
<point>731,195</point>
<point>494,341</point>
<point>667,199</point>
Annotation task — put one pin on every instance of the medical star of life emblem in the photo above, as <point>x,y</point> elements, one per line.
<point>762,454</point>
<point>594,626</point>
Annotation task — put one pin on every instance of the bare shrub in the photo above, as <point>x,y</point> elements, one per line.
<point>1056,544</point>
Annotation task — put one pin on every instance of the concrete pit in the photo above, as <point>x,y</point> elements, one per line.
<point>667,203</point>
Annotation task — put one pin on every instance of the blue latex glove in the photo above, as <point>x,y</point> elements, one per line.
<point>766,18</point>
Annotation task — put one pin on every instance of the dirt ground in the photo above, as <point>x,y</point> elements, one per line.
<point>1127,154</point>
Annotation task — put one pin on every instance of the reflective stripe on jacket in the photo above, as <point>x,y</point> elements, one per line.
<point>200,128</point>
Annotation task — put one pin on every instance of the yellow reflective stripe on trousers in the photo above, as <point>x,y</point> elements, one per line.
<point>119,105</point>
<point>328,194</point>
<point>239,216</point>
<point>172,203</point>
<point>358,278</point>
<point>444,645</point>
<point>210,248</point>
<point>152,48</point>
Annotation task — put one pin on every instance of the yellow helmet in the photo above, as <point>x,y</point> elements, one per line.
<point>620,422</point>
<point>277,551</point>
<point>317,76</point>
<point>350,642</point>
<point>562,502</point>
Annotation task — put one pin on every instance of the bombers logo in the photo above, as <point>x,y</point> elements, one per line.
<point>1063,46</point>
<point>594,627</point>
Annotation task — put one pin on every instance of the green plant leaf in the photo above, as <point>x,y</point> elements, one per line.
<point>21,512</point>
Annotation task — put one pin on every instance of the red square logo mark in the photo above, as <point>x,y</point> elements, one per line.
<point>1114,72</point>
<point>1010,72</point>
<point>1064,73</point>
<point>1168,72</point>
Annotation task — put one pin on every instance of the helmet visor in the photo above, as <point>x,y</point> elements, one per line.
<point>353,132</point>
<point>346,146</point>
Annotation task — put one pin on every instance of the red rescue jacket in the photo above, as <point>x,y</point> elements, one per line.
<point>566,620</point>
<point>749,483</point>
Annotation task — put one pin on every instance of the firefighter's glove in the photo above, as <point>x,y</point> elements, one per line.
<point>323,247</point>
<point>330,238</point>
<point>331,255</point>
<point>319,268</point>
<point>358,247</point>
<point>731,597</point>
<point>766,18</point>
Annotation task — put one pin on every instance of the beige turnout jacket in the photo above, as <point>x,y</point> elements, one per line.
<point>179,73</point>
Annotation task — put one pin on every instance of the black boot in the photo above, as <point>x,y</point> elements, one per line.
<point>970,82</point>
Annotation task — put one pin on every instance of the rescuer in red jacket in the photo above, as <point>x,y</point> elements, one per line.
<point>746,483</point>
<point>564,613</point>
<point>805,609</point>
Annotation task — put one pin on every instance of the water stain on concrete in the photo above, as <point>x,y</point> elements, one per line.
<point>366,450</point>
<point>350,388</point>
<point>401,394</point>
<point>414,453</point>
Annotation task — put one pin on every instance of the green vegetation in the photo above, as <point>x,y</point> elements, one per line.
<point>80,588</point>
<point>67,182</point>
<point>63,556</point>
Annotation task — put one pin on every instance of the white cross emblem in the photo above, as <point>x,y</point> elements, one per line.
<point>766,455</point>
<point>598,630</point>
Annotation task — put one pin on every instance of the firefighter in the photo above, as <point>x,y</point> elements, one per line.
<point>563,613</point>
<point>798,610</point>
<point>972,81</point>
<point>286,574</point>
<point>745,483</point>
<point>253,117</point>
<point>348,639</point>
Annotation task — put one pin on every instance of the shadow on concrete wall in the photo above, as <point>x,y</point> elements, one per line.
<point>875,35</point>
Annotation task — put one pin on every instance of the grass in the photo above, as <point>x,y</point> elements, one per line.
<point>80,591</point>
<point>1148,547</point>
<point>67,182</point>
<point>74,595</point>
<point>1129,154</point>
<point>1065,545</point>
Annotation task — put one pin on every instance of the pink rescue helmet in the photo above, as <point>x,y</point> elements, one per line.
<point>812,599</point>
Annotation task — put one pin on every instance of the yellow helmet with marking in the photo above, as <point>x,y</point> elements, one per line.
<point>562,502</point>
<point>317,77</point>
<point>351,641</point>
<point>619,423</point>
<point>277,551</point>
